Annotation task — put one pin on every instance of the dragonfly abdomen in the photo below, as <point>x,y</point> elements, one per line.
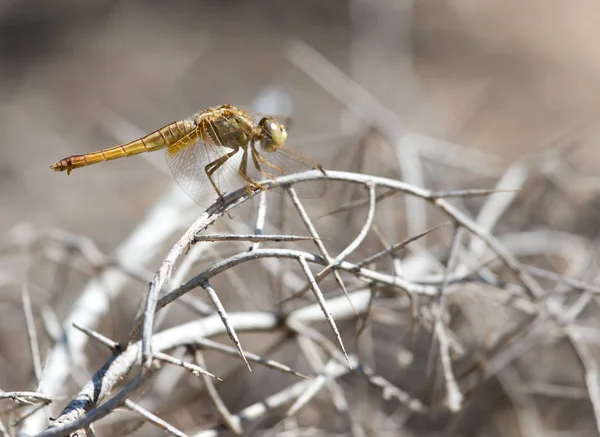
<point>160,139</point>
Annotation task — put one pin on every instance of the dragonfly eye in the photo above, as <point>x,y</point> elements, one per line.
<point>273,134</point>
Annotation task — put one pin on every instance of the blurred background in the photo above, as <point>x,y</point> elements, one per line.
<point>496,81</point>
<point>508,77</point>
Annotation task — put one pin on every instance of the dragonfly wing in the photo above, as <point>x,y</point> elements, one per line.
<point>286,160</point>
<point>188,163</point>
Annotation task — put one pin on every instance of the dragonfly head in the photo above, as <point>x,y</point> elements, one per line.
<point>272,134</point>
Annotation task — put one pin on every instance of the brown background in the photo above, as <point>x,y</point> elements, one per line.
<point>506,77</point>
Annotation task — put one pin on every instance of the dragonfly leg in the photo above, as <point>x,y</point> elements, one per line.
<point>214,166</point>
<point>244,175</point>
<point>264,161</point>
<point>257,166</point>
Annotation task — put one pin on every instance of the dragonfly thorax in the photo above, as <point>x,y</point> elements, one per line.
<point>272,134</point>
<point>225,128</point>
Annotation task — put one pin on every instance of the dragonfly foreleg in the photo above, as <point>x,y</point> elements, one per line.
<point>244,175</point>
<point>264,161</point>
<point>257,166</point>
<point>214,166</point>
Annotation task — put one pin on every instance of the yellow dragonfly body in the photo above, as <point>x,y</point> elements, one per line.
<point>217,144</point>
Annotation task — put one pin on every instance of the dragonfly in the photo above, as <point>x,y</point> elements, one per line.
<point>216,149</point>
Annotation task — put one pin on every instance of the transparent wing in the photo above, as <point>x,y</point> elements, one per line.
<point>188,165</point>
<point>286,160</point>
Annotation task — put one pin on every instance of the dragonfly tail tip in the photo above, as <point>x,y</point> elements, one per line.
<point>61,166</point>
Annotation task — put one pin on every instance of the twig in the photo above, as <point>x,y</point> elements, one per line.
<point>396,247</point>
<point>304,331</point>
<point>25,397</point>
<point>68,423</point>
<point>192,368</point>
<point>454,397</point>
<point>260,218</point>
<point>553,390</point>
<point>251,238</point>
<point>472,192</point>
<point>391,391</point>
<point>313,232</point>
<point>112,345</point>
<point>363,273</point>
<point>29,413</point>
<point>232,422</point>
<point>209,344</point>
<point>314,387</point>
<point>359,238</point>
<point>359,202</point>
<point>192,257</point>
<point>322,303</point>
<point>495,206</point>
<point>31,333</point>
<point>153,419</point>
<point>223,315</point>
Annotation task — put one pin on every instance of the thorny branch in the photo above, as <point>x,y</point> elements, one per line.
<point>147,353</point>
